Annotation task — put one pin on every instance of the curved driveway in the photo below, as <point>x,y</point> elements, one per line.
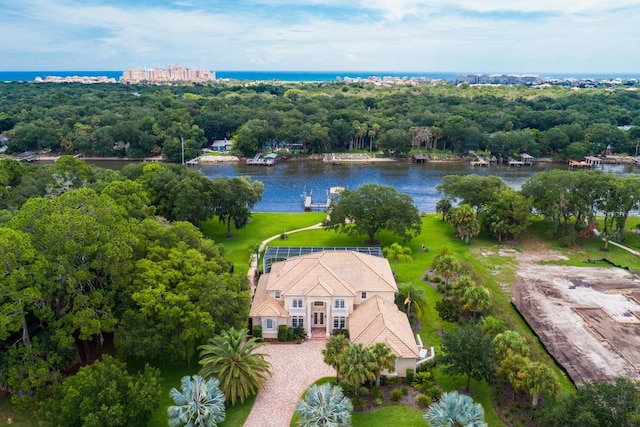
<point>294,367</point>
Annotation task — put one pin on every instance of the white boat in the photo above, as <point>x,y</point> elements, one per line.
<point>260,160</point>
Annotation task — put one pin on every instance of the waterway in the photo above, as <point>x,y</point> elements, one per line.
<point>286,182</point>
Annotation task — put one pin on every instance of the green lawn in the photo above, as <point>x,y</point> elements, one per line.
<point>18,419</point>
<point>393,414</point>
<point>263,225</point>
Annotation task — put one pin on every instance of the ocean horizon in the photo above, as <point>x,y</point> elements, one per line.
<point>303,76</point>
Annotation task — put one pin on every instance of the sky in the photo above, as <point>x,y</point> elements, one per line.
<point>470,36</point>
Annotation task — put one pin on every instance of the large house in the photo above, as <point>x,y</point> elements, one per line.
<point>326,291</point>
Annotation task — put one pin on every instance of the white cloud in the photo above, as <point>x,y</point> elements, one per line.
<point>404,35</point>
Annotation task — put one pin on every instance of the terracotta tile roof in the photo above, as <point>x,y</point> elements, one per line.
<point>264,305</point>
<point>342,273</point>
<point>378,320</point>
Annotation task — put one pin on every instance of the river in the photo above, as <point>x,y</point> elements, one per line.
<point>286,182</point>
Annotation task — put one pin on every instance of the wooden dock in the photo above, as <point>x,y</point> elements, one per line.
<point>479,163</point>
<point>309,205</point>
<point>308,200</point>
<point>420,158</point>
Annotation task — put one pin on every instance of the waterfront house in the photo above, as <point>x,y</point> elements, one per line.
<point>329,291</point>
<point>221,145</point>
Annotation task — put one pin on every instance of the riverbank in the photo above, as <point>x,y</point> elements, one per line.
<point>330,158</point>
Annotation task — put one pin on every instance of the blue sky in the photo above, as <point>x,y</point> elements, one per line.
<point>518,36</point>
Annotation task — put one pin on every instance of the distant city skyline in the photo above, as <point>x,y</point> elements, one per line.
<point>472,36</point>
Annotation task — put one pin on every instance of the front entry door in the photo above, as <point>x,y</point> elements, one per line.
<point>318,319</point>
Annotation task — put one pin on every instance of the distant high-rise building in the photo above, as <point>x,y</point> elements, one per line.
<point>173,73</point>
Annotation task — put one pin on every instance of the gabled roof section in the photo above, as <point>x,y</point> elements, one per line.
<point>341,273</point>
<point>319,290</point>
<point>378,320</point>
<point>264,305</point>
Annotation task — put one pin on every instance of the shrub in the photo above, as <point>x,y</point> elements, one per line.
<point>386,380</point>
<point>358,404</point>
<point>376,393</point>
<point>363,391</point>
<point>422,378</point>
<point>427,366</point>
<point>256,331</point>
<point>396,395</point>
<point>289,334</point>
<point>344,332</point>
<point>423,400</point>
<point>404,390</point>
<point>282,332</point>
<point>410,375</point>
<point>434,393</point>
<point>298,333</point>
<point>436,279</point>
<point>348,390</point>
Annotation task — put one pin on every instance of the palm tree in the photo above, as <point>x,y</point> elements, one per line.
<point>200,404</point>
<point>476,299</point>
<point>538,379</point>
<point>324,405</point>
<point>357,365</point>
<point>383,358</point>
<point>332,351</point>
<point>414,296</point>
<point>455,410</point>
<point>465,222</point>
<point>396,252</point>
<point>232,358</point>
<point>447,266</point>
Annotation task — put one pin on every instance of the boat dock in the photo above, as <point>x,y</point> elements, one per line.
<point>309,205</point>
<point>308,199</point>
<point>260,160</point>
<point>479,163</point>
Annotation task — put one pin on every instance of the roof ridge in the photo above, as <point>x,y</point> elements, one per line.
<point>336,275</point>
<point>375,271</point>
<point>291,263</point>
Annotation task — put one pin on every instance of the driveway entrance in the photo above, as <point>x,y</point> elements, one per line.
<point>295,367</point>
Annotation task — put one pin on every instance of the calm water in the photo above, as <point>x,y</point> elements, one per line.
<point>286,182</point>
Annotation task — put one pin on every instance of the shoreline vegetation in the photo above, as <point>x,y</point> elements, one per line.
<point>334,158</point>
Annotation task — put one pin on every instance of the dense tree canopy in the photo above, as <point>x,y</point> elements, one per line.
<point>595,405</point>
<point>89,264</point>
<point>104,394</point>
<point>144,120</point>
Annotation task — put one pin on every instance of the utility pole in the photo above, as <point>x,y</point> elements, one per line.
<point>182,148</point>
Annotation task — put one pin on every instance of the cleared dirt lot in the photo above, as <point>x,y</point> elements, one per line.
<point>587,317</point>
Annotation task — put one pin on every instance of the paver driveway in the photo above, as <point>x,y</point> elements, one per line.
<point>295,367</point>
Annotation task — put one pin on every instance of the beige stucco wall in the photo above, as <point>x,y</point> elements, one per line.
<point>403,364</point>
<point>273,333</point>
